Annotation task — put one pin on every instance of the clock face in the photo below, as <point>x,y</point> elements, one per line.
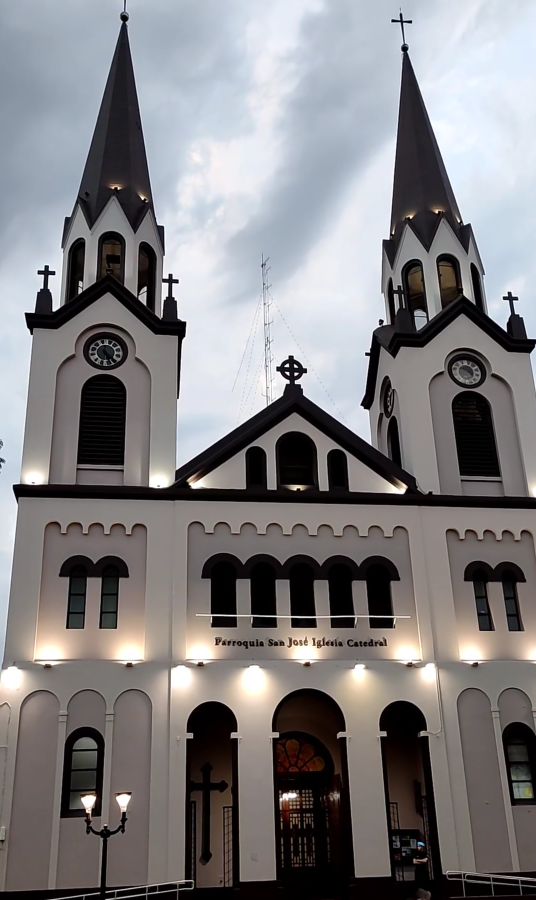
<point>105,351</point>
<point>388,400</point>
<point>467,371</point>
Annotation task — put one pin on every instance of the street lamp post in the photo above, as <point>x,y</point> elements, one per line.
<point>105,833</point>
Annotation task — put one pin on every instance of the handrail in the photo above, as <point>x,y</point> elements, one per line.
<point>136,892</point>
<point>493,881</point>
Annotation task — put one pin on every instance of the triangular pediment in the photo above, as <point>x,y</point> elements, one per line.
<point>222,466</point>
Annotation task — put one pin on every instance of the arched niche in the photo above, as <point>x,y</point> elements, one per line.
<point>212,797</point>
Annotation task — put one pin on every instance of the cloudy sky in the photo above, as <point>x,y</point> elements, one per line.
<point>270,129</point>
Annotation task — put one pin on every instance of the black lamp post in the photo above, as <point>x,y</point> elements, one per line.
<point>105,833</point>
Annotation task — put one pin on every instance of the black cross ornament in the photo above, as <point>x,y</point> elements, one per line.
<point>401,294</point>
<point>402,21</point>
<point>46,273</point>
<point>511,300</point>
<point>170,281</point>
<point>207,787</point>
<point>291,370</point>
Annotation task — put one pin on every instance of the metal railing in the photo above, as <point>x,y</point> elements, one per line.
<point>168,889</point>
<point>509,884</point>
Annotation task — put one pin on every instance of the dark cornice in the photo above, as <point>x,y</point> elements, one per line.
<point>106,285</point>
<point>293,400</point>
<point>324,498</point>
<point>392,340</point>
<point>110,285</point>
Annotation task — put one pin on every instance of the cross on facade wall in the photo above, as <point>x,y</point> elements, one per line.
<point>207,787</point>
<point>46,273</point>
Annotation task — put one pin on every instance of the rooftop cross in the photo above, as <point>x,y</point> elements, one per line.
<point>402,21</point>
<point>170,281</point>
<point>291,370</point>
<point>511,300</point>
<point>46,273</point>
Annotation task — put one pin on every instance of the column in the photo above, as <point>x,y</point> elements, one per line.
<point>56,814</point>
<point>505,789</point>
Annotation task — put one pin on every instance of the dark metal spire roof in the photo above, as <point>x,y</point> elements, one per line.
<point>422,190</point>
<point>117,162</point>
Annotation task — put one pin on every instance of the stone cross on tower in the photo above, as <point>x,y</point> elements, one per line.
<point>170,304</point>
<point>207,786</point>
<point>511,300</point>
<point>46,273</point>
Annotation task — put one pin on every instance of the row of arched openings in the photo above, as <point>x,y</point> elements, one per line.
<point>509,576</point>
<point>450,288</point>
<point>474,433</point>
<point>301,573</point>
<point>297,466</point>
<point>111,261</point>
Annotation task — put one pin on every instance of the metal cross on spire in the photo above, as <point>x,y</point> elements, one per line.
<point>511,300</point>
<point>46,273</point>
<point>402,22</point>
<point>170,281</point>
<point>124,15</point>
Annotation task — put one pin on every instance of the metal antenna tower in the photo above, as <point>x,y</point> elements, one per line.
<point>267,318</point>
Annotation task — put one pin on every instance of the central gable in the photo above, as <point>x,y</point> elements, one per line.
<point>293,445</point>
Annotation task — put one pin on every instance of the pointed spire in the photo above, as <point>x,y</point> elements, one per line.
<point>117,162</point>
<point>421,185</point>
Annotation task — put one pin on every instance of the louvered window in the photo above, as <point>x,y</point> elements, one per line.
<point>101,438</point>
<point>475,437</point>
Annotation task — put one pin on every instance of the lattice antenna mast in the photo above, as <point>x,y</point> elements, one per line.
<point>268,340</point>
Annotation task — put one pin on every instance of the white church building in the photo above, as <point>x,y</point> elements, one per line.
<point>301,652</point>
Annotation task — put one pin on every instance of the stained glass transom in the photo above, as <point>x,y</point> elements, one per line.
<point>296,754</point>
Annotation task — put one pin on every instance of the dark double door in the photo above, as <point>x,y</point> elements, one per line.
<point>309,834</point>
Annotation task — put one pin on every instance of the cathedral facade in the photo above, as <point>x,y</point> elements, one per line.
<point>300,652</point>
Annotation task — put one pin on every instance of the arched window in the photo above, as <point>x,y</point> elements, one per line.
<point>393,442</point>
<point>147,276</point>
<point>263,596</point>
<point>477,287</point>
<point>302,596</point>
<point>112,256</point>
<point>341,601</point>
<point>337,470</point>
<point>75,271</point>
<point>82,771</point>
<point>483,612</point>
<point>109,597</point>
<point>413,276</point>
<point>296,461</point>
<point>255,468</point>
<point>223,595</point>
<point>391,302</point>
<point>76,602</point>
<point>448,272</point>
<point>101,436</point>
<point>379,598</point>
<point>511,602</point>
<point>519,750</point>
<point>475,436</point>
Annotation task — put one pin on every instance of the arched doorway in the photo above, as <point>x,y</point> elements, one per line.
<point>212,848</point>
<point>409,793</point>
<point>313,823</point>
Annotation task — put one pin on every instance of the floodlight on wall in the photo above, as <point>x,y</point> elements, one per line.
<point>181,676</point>
<point>34,478</point>
<point>253,679</point>
<point>12,678</point>
<point>159,481</point>
<point>360,667</point>
<point>429,672</point>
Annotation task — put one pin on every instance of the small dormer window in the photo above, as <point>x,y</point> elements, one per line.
<point>448,272</point>
<point>147,276</point>
<point>112,256</point>
<point>415,293</point>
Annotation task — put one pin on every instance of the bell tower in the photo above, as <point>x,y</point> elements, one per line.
<point>450,393</point>
<point>113,228</point>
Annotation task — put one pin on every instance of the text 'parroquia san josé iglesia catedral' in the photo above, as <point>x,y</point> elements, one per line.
<point>300,652</point>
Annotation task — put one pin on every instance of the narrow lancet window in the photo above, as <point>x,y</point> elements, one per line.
<point>448,272</point>
<point>112,256</point>
<point>75,276</point>
<point>147,276</point>
<point>475,436</point>
<point>416,293</point>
